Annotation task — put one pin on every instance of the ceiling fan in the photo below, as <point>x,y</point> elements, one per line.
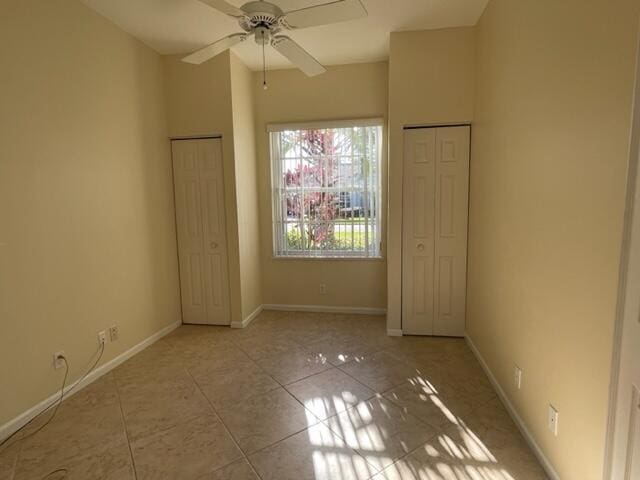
<point>265,20</point>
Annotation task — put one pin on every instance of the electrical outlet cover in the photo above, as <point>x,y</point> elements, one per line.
<point>58,362</point>
<point>114,333</point>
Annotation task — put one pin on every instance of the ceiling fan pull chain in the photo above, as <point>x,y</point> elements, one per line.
<point>264,66</point>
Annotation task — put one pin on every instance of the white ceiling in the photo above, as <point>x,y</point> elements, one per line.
<point>182,26</point>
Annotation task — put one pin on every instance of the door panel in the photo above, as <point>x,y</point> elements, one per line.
<point>189,229</point>
<point>215,238</point>
<point>194,277</point>
<point>452,205</point>
<point>418,231</point>
<point>201,226</point>
<point>435,212</point>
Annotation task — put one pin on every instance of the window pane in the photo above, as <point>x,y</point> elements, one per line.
<point>326,190</point>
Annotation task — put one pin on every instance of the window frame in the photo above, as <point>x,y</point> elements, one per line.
<point>276,196</point>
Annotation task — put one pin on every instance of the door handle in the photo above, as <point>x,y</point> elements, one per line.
<point>420,247</point>
<point>214,245</point>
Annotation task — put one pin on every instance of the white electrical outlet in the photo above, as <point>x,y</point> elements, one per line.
<point>517,377</point>
<point>552,420</point>
<point>323,289</point>
<point>102,337</point>
<point>114,333</point>
<point>58,359</point>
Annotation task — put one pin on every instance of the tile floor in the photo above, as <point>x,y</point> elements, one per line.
<point>293,396</point>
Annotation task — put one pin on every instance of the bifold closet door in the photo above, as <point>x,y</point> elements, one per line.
<point>434,230</point>
<point>201,226</point>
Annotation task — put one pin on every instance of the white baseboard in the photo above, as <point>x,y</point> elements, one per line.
<point>394,332</point>
<point>18,422</point>
<point>326,309</point>
<point>247,320</point>
<point>546,464</point>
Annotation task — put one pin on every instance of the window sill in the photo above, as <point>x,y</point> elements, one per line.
<point>330,259</point>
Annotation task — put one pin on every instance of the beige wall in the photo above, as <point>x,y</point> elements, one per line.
<point>344,92</point>
<point>549,153</point>
<point>87,223</point>
<point>431,82</point>
<point>246,168</point>
<point>199,103</point>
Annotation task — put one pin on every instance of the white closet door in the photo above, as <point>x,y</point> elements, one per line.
<point>201,227</point>
<point>216,274</point>
<point>435,213</point>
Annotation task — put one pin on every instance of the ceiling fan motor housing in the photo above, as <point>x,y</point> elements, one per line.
<point>260,14</point>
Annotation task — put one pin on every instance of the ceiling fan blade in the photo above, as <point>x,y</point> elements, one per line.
<point>333,12</point>
<point>206,53</point>
<point>225,7</point>
<point>297,55</point>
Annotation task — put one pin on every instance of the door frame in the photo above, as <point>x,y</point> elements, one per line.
<point>632,203</point>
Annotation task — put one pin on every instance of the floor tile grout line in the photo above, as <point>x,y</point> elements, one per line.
<point>328,426</point>
<point>440,432</point>
<point>253,467</point>
<point>244,399</point>
<point>226,428</point>
<point>124,425</point>
<point>266,372</point>
<point>123,417</point>
<point>166,429</point>
<point>318,420</point>
<point>408,454</point>
<point>15,464</point>
<point>307,376</point>
<point>296,380</point>
<point>18,454</point>
<point>406,410</point>
<point>369,387</point>
<point>319,373</point>
<point>323,423</point>
<point>280,384</point>
<point>283,439</point>
<point>380,470</point>
<point>342,437</point>
<point>381,395</point>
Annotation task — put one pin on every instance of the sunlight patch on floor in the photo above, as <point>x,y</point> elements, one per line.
<point>464,458</point>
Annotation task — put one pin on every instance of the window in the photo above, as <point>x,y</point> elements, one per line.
<point>326,189</point>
